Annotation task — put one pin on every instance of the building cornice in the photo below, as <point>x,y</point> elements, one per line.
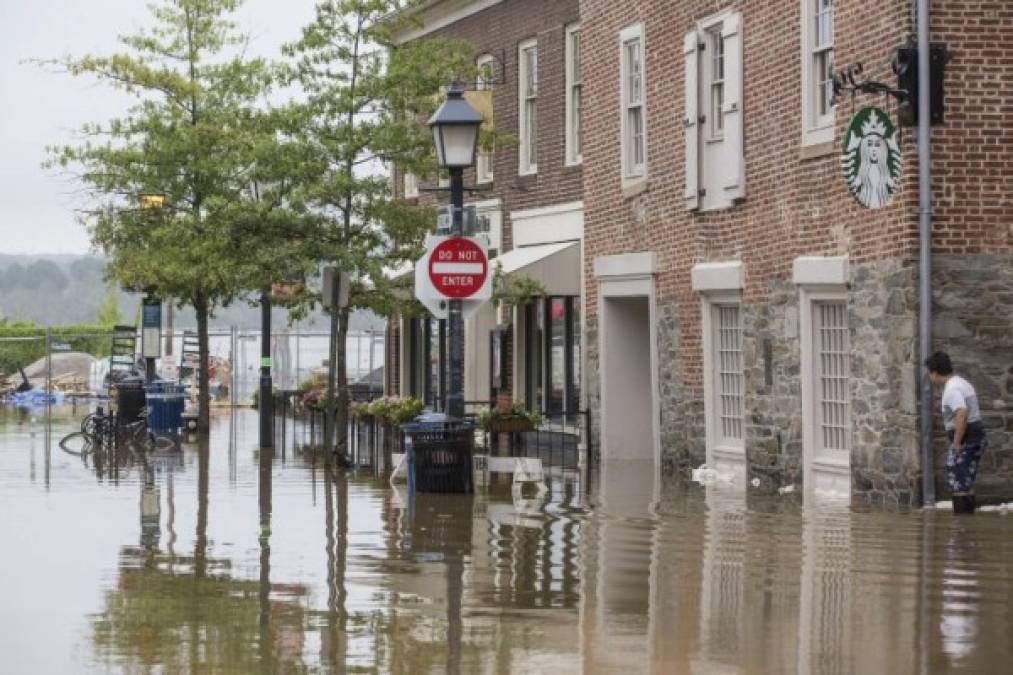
<point>437,14</point>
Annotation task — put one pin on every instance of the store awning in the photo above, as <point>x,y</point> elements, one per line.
<point>555,266</point>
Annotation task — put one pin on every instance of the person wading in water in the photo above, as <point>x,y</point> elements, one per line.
<point>962,419</point>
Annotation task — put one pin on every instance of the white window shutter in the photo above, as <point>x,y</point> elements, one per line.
<point>734,178</point>
<point>691,49</point>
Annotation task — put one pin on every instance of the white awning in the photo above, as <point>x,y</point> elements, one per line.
<point>555,266</point>
<point>399,272</point>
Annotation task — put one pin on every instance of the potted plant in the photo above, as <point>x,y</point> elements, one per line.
<point>509,418</point>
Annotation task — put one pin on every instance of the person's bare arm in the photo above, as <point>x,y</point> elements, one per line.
<point>959,428</point>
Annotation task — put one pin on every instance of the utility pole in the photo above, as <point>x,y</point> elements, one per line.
<point>266,400</point>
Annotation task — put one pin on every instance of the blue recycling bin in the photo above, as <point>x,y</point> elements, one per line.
<point>165,407</point>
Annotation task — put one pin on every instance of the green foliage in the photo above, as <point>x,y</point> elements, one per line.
<point>109,310</point>
<point>514,415</point>
<point>514,290</point>
<point>23,344</point>
<point>367,101</point>
<point>202,135</point>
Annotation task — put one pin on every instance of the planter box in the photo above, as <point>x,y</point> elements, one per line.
<point>511,425</point>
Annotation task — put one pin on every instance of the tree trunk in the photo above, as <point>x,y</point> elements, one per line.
<point>341,414</point>
<point>200,305</point>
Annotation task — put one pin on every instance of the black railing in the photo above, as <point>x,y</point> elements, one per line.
<point>558,441</point>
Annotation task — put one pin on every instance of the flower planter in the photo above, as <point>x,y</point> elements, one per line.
<point>511,425</point>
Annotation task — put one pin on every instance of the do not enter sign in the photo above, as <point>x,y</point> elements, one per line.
<point>458,268</point>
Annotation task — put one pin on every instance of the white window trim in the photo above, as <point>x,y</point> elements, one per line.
<point>410,183</point>
<point>573,157</point>
<point>818,280</point>
<point>632,175</point>
<point>484,161</point>
<point>525,166</point>
<point>814,131</point>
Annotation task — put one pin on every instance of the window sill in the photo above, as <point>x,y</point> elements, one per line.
<point>634,186</point>
<point>524,173</point>
<point>817,150</point>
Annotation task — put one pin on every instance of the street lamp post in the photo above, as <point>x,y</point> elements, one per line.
<point>151,324</point>
<point>265,401</point>
<point>455,126</point>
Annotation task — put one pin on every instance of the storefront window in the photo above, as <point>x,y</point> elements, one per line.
<point>552,348</point>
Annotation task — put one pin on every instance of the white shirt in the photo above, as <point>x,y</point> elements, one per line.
<point>958,394</point>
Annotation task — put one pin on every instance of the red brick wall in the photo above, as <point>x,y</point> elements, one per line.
<point>498,30</point>
<point>973,151</point>
<point>793,206</point>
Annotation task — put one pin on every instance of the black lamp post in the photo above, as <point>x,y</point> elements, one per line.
<point>455,126</point>
<point>151,323</point>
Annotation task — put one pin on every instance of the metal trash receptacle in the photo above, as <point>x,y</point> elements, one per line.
<point>439,454</point>
<point>165,406</point>
<point>130,399</point>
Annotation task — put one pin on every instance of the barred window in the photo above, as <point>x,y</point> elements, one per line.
<point>730,380</point>
<point>832,356</point>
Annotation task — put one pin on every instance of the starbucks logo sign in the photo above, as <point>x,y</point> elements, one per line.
<point>871,158</point>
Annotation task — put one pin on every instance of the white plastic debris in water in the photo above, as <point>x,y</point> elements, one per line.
<point>755,482</point>
<point>705,475</point>
<point>787,489</point>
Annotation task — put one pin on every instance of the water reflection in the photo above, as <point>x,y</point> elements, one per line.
<point>222,566</point>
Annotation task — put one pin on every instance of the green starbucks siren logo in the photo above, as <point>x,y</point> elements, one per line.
<point>871,158</point>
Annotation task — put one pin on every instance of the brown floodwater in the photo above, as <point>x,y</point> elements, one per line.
<point>222,559</point>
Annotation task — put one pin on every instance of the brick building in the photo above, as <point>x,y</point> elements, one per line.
<point>528,202</point>
<point>742,308</point>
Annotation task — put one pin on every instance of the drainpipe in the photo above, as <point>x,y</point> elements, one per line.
<point>925,250</point>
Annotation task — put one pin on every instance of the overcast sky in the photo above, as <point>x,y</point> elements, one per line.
<point>38,108</point>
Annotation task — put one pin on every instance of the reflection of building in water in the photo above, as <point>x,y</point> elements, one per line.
<point>722,606</point>
<point>825,605</point>
<point>618,569</point>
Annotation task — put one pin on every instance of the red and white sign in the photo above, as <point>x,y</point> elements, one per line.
<point>453,268</point>
<point>458,268</point>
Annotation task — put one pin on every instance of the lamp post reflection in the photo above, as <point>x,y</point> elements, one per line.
<point>264,537</point>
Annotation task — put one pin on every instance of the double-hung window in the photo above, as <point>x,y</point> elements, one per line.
<point>528,112</point>
<point>817,71</point>
<point>483,83</point>
<point>574,102</point>
<point>713,122</point>
<point>634,133</point>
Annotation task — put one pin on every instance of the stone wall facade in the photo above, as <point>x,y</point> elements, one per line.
<point>973,322</point>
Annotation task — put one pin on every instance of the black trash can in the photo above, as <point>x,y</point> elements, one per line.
<point>130,399</point>
<point>439,455</point>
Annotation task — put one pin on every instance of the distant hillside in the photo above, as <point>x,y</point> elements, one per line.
<point>64,290</point>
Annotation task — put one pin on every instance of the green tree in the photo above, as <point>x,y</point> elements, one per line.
<point>109,310</point>
<point>195,135</point>
<point>367,99</point>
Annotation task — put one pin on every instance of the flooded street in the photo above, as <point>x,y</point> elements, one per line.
<point>223,559</point>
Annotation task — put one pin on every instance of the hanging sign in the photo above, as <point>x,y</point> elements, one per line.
<point>870,158</point>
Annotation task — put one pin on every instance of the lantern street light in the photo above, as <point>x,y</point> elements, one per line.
<point>455,126</point>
